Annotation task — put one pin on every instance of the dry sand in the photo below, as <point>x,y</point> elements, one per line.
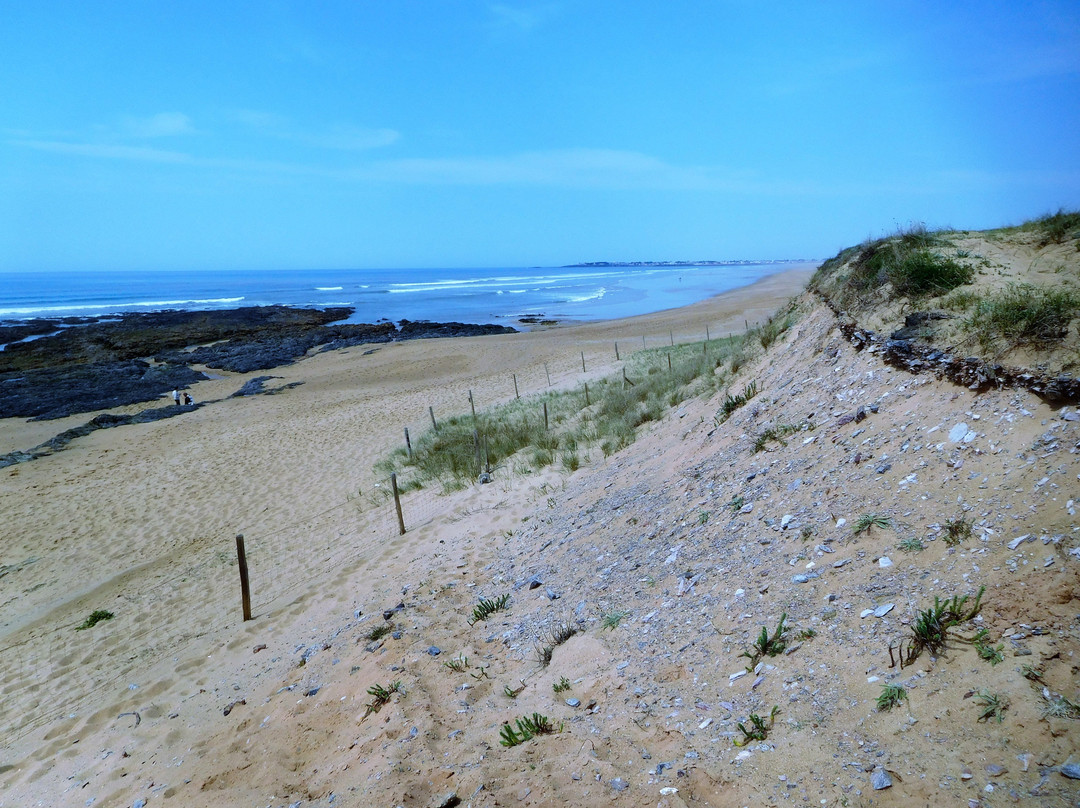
<point>140,520</point>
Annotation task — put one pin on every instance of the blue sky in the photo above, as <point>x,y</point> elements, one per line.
<point>428,133</point>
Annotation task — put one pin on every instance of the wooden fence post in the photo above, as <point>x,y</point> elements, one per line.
<point>586,394</point>
<point>616,350</point>
<point>476,447</point>
<point>548,372</point>
<point>707,332</point>
<point>643,342</point>
<point>397,504</point>
<point>245,589</point>
<point>472,406</point>
<point>671,337</point>
<point>582,361</point>
<point>408,443</point>
<point>669,363</point>
<point>516,393</point>
<point>434,425</point>
<point>545,416</point>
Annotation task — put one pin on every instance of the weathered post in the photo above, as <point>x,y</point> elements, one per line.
<point>397,504</point>
<point>586,394</point>
<point>707,332</point>
<point>671,338</point>
<point>516,393</point>
<point>582,361</point>
<point>408,443</point>
<point>616,350</point>
<point>476,448</point>
<point>548,372</point>
<point>472,406</point>
<point>643,342</point>
<point>434,425</point>
<point>245,589</point>
<point>545,416</point>
<point>669,363</point>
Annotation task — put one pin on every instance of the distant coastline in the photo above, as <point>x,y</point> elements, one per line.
<point>746,262</point>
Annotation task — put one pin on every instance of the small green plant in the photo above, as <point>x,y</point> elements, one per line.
<point>513,693</point>
<point>528,727</point>
<point>806,634</point>
<point>703,517</point>
<point>458,665</point>
<point>869,520</point>
<point>485,608</point>
<point>957,531</point>
<point>930,629</point>
<point>759,729</point>
<point>95,617</point>
<point>483,674</point>
<point>736,503</point>
<point>992,705</point>
<point>777,434</point>
<point>381,696</point>
<point>987,651</point>
<point>891,696</point>
<point>562,685</point>
<point>379,631</point>
<point>1031,673</point>
<point>732,403</point>
<point>911,545</point>
<point>766,645</point>
<point>612,619</point>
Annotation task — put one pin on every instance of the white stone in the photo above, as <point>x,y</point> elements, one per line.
<point>884,609</point>
<point>958,432</point>
<point>884,561</point>
<point>1018,541</point>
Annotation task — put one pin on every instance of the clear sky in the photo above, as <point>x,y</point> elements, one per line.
<point>401,133</point>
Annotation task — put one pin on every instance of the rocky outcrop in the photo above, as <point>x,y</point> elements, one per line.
<point>970,371</point>
<point>100,364</point>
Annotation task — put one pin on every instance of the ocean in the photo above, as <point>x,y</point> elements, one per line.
<point>490,295</point>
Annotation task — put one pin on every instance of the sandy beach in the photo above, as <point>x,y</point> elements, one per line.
<point>140,520</point>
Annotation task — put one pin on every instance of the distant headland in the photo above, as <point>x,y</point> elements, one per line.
<point>689,263</point>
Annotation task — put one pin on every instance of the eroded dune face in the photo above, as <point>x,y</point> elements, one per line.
<point>636,583</point>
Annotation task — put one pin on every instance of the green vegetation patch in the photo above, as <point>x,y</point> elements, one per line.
<point>1022,313</point>
<point>606,415</point>
<point>95,617</point>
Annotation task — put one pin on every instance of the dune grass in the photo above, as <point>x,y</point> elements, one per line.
<point>1022,313</point>
<point>911,263</point>
<point>514,434</point>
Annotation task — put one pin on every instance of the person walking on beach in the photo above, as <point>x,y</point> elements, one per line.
<point>187,400</point>
<point>176,397</point>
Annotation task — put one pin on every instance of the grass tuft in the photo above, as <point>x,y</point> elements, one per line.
<point>992,705</point>
<point>759,729</point>
<point>528,727</point>
<point>1022,313</point>
<point>869,520</point>
<point>95,617</point>
<point>612,619</point>
<point>485,608</point>
<point>957,531</point>
<point>891,696</point>
<point>766,645</point>
<point>381,696</point>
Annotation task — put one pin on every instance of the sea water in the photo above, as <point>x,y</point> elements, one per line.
<point>464,295</point>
